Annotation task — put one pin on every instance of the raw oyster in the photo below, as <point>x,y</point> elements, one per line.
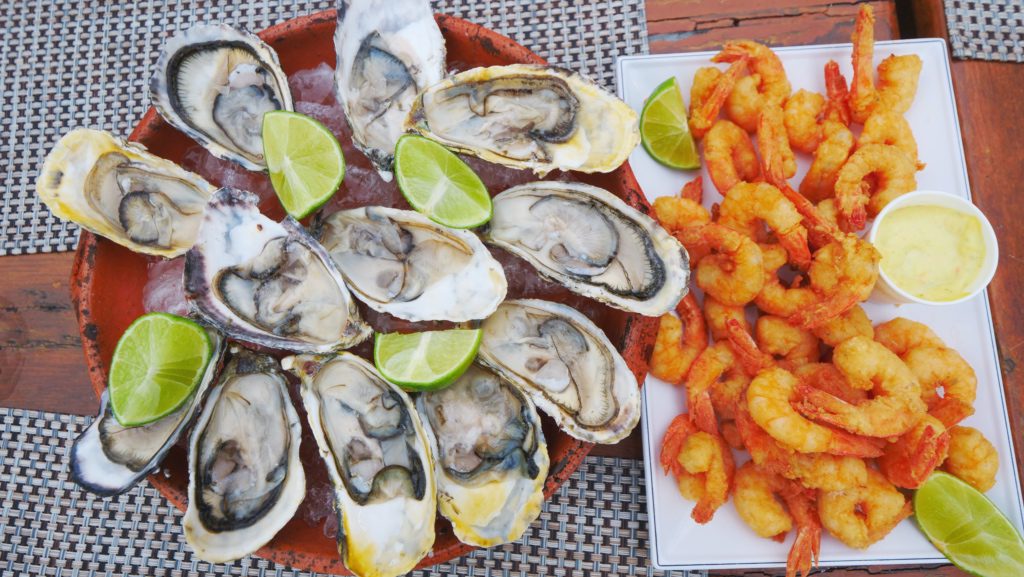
<point>377,456</point>
<point>245,479</point>
<point>119,191</point>
<point>386,53</point>
<point>215,83</point>
<point>566,364</point>
<point>528,116</point>
<point>268,283</point>
<point>589,240</point>
<point>402,263</point>
<point>109,458</point>
<point>490,458</point>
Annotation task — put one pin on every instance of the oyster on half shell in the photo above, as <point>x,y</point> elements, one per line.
<point>119,191</point>
<point>215,83</point>
<point>566,364</point>
<point>490,458</point>
<point>386,53</point>
<point>589,240</point>
<point>245,478</point>
<point>376,453</point>
<point>266,282</point>
<point>528,116</point>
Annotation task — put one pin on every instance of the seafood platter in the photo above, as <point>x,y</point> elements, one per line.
<point>803,389</point>
<point>293,446</point>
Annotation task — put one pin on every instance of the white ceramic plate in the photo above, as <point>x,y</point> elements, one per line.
<point>677,542</point>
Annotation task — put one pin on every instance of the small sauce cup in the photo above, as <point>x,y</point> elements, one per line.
<point>887,291</point>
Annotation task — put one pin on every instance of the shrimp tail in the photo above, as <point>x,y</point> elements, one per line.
<point>747,352</point>
<point>804,554</point>
<point>702,412</point>
<point>951,411</point>
<point>672,444</point>
<point>704,116</point>
<point>693,190</point>
<point>795,243</point>
<point>838,106</point>
<point>824,311</point>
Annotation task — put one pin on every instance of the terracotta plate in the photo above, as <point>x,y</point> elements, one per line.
<point>108,281</point>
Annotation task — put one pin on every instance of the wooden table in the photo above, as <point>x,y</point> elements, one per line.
<point>41,361</point>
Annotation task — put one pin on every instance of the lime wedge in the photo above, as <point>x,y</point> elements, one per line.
<point>157,365</point>
<point>968,528</point>
<point>438,184</point>
<point>425,361</point>
<point>304,161</point>
<point>664,131</point>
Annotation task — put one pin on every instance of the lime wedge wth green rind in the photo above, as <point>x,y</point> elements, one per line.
<point>157,365</point>
<point>966,527</point>
<point>664,131</point>
<point>304,161</point>
<point>425,361</point>
<point>438,184</point>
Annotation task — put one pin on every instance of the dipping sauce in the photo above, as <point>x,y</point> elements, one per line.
<point>932,252</point>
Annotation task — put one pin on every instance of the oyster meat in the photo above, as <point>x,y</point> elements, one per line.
<point>268,283</point>
<point>490,458</point>
<point>402,263</point>
<point>245,477</point>
<point>108,458</point>
<point>215,83</point>
<point>566,364</point>
<point>589,240</point>
<point>528,116</point>
<point>377,456</point>
<point>119,191</point>
<point>386,53</point>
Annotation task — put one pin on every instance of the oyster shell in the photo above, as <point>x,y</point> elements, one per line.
<point>528,116</point>
<point>119,191</point>
<point>386,53</point>
<point>377,456</point>
<point>268,283</point>
<point>566,364</point>
<point>215,83</point>
<point>589,240</point>
<point>245,478</point>
<point>108,459</point>
<point>402,263</point>
<point>490,458</point>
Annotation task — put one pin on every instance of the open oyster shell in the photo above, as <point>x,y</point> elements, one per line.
<point>245,478</point>
<point>119,191</point>
<point>268,283</point>
<point>528,116</point>
<point>108,458</point>
<point>401,263</point>
<point>490,458</point>
<point>589,240</point>
<point>377,456</point>
<point>215,83</point>
<point>566,364</point>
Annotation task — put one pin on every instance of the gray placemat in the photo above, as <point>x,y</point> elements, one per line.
<point>595,526</point>
<point>986,30</point>
<point>65,64</point>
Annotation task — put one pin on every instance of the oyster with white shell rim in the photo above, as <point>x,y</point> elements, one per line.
<point>120,191</point>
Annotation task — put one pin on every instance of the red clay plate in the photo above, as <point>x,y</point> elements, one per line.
<point>107,284</point>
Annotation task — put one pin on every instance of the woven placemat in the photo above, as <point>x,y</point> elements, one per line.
<point>596,525</point>
<point>986,30</point>
<point>65,64</point>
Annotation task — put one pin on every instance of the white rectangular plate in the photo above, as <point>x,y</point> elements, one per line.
<point>677,542</point>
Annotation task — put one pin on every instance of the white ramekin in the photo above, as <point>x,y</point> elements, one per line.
<point>886,291</point>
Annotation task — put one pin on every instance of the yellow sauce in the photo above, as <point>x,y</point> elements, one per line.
<point>932,252</point>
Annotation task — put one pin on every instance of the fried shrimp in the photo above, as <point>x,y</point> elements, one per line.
<point>771,506</point>
<point>704,113</point>
<point>748,205</point>
<point>884,127</point>
<point>941,369</point>
<point>852,323</point>
<point>714,363</point>
<point>702,465</point>
<point>860,516</point>
<point>730,156</point>
<point>678,213</point>
<point>900,335</point>
<point>842,273</point>
<point>897,82</point>
<point>803,114</point>
<point>775,298</point>
<point>910,459</point>
<point>820,181</point>
<point>679,342</point>
<point>733,273</point>
<point>717,314</point>
<point>790,346</point>
<point>767,83</point>
<point>863,96</point>
<point>872,177</point>
<point>895,406</point>
<point>972,458</point>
